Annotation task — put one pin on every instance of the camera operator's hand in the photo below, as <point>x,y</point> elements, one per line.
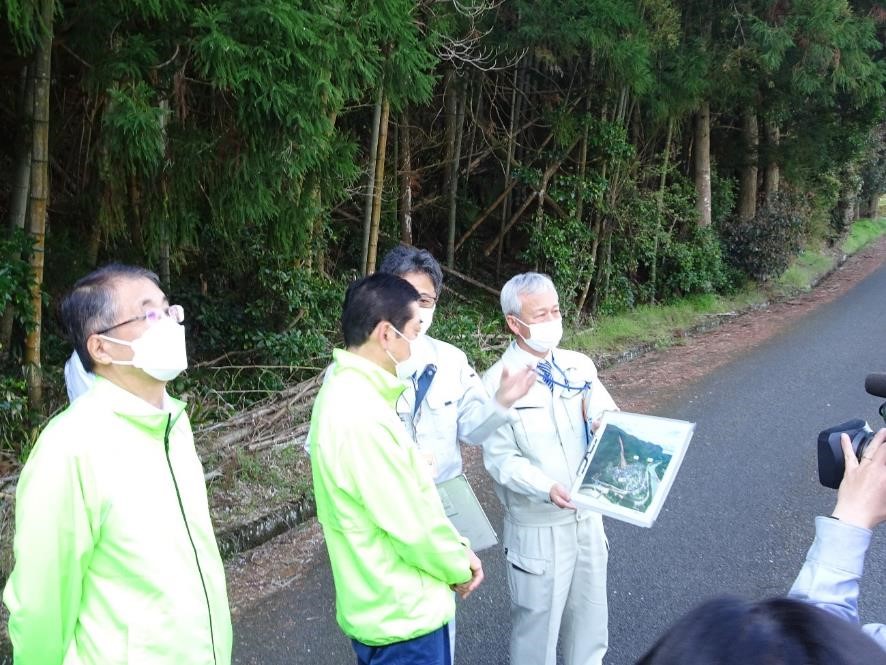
<point>861,500</point>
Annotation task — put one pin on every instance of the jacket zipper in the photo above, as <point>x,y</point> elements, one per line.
<point>188,530</point>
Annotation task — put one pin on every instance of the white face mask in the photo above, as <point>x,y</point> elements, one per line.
<point>160,351</point>
<point>404,368</point>
<point>425,318</point>
<point>543,336</point>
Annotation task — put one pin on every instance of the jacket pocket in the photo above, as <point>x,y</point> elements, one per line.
<point>534,429</point>
<point>526,564</point>
<point>528,552</point>
<point>440,411</point>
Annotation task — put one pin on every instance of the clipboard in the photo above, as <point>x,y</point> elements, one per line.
<point>466,514</point>
<point>630,466</point>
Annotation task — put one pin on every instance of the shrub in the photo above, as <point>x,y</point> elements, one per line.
<point>693,264</point>
<point>763,246</point>
<point>724,192</point>
<point>299,312</point>
<point>15,276</point>
<point>559,247</point>
<point>15,417</point>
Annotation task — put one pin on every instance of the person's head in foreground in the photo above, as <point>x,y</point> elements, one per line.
<point>779,631</point>
<point>380,321</point>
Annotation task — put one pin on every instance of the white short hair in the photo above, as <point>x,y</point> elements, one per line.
<point>518,285</point>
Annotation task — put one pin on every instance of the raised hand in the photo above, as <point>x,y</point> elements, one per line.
<point>514,385</point>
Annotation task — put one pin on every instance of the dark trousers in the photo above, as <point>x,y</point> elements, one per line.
<point>430,649</point>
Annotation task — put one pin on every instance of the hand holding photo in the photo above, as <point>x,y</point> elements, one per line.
<point>630,466</point>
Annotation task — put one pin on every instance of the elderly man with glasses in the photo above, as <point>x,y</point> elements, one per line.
<point>116,559</point>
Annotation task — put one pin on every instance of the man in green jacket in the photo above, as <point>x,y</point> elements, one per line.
<point>115,557</point>
<point>395,557</point>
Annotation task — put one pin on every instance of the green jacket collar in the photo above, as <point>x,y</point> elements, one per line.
<point>136,411</point>
<point>386,384</point>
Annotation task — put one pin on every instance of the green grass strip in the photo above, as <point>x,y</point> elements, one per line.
<point>661,324</point>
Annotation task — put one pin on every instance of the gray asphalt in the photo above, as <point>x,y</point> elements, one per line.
<point>738,520</point>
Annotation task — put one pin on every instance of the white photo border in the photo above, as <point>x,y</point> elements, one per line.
<point>670,435</point>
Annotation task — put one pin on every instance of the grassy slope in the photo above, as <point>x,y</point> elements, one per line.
<point>660,324</point>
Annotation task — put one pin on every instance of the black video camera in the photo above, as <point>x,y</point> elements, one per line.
<point>831,465</point>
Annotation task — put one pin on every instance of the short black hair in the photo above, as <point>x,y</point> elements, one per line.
<point>90,304</point>
<point>378,297</point>
<point>780,631</point>
<point>404,259</point>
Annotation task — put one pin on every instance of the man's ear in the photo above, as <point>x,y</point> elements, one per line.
<point>381,333</point>
<point>96,346</point>
<point>513,325</point>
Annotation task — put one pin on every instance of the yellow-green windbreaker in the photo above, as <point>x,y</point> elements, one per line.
<point>393,552</point>
<point>115,557</point>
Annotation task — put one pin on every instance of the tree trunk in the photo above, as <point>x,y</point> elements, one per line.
<point>702,158</point>
<point>312,256</point>
<point>476,114</point>
<point>582,166</point>
<point>590,268</point>
<point>873,204</point>
<point>378,188</point>
<point>579,198</point>
<point>597,222</point>
<point>662,183</point>
<point>405,181</point>
<point>93,245</point>
<point>453,174</point>
<point>521,74</point>
<point>163,270</point>
<point>450,108</point>
<point>39,200</point>
<point>602,269</point>
<point>747,206</point>
<point>136,229</point>
<point>772,174</point>
<point>370,182</point>
<point>20,188</point>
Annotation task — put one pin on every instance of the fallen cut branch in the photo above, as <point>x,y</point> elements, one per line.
<point>471,280</point>
<point>489,210</point>
<point>548,174</point>
<point>271,409</point>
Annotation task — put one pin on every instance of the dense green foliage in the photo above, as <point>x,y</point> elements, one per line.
<point>228,145</point>
<point>763,246</point>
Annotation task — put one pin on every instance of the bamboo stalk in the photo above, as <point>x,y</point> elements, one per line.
<point>379,186</point>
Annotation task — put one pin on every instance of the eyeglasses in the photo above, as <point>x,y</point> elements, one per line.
<point>174,312</point>
<point>426,300</point>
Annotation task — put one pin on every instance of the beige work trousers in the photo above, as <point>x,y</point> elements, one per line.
<point>557,580</point>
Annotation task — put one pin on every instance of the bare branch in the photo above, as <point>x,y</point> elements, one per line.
<point>467,51</point>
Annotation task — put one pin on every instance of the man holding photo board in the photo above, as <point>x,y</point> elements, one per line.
<point>557,553</point>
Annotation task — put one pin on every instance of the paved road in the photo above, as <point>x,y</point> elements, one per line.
<point>738,520</point>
